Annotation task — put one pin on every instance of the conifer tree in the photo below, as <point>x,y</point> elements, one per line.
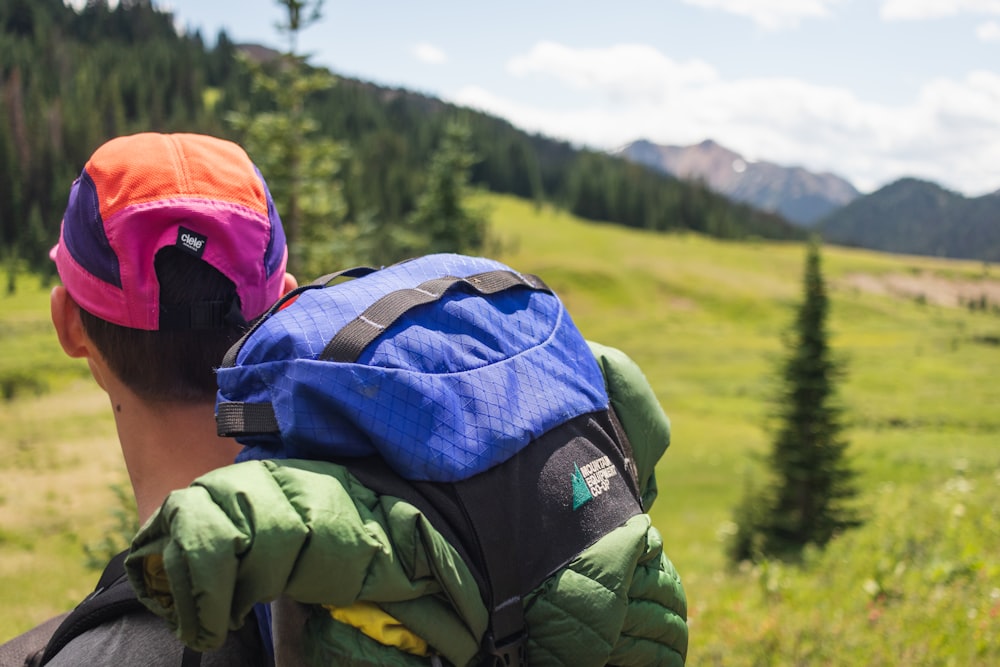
<point>443,220</point>
<point>301,166</point>
<point>812,482</point>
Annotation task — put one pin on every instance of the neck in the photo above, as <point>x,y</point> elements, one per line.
<point>166,445</point>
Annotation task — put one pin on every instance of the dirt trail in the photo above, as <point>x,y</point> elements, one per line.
<point>935,289</point>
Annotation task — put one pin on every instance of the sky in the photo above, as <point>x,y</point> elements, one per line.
<point>870,90</point>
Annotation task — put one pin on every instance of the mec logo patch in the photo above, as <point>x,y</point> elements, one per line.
<point>592,480</point>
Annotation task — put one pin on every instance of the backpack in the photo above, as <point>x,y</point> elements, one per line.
<point>460,386</point>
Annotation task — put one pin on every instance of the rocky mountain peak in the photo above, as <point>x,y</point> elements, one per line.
<point>797,194</point>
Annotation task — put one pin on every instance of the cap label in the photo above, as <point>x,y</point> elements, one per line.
<point>193,242</point>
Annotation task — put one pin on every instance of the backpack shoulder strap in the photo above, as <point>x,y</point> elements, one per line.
<point>112,599</point>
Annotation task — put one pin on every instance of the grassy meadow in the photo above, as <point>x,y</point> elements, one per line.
<point>918,584</point>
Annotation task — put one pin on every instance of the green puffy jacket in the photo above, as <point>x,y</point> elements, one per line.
<point>309,532</point>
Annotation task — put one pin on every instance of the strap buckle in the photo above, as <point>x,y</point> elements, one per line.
<point>509,652</point>
<point>507,621</point>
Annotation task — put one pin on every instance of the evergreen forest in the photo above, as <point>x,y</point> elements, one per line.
<point>70,80</point>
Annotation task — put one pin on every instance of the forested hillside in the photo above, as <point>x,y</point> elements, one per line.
<point>920,218</point>
<point>70,80</point>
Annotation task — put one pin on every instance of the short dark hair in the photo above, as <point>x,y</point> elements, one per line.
<point>176,366</point>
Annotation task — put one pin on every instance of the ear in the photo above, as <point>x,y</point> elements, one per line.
<point>66,320</point>
<point>289,284</point>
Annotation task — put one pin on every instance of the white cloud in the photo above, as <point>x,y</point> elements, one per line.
<point>894,10</point>
<point>949,133</point>
<point>625,71</point>
<point>989,31</point>
<point>771,14</point>
<point>430,54</point>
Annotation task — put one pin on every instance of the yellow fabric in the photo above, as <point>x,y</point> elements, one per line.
<point>370,619</point>
<point>157,583</point>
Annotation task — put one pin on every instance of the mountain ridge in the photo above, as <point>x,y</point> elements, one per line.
<point>802,196</point>
<point>920,217</point>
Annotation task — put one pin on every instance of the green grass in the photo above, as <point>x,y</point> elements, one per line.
<point>58,460</point>
<point>704,319</point>
<point>29,364</point>
<point>917,584</point>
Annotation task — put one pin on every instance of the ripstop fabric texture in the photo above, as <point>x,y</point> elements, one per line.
<point>449,390</point>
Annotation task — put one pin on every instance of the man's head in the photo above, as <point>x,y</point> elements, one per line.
<point>170,243</point>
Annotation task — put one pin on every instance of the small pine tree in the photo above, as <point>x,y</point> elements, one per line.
<point>808,501</point>
<point>443,220</point>
<point>301,166</point>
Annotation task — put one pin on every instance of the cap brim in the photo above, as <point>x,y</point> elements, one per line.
<point>54,252</point>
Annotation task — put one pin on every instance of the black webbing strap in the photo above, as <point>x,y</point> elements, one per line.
<point>113,598</point>
<point>355,272</point>
<point>236,418</point>
<point>190,657</point>
<point>352,340</point>
<point>506,643</point>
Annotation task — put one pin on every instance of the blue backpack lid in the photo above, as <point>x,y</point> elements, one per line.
<point>449,389</point>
